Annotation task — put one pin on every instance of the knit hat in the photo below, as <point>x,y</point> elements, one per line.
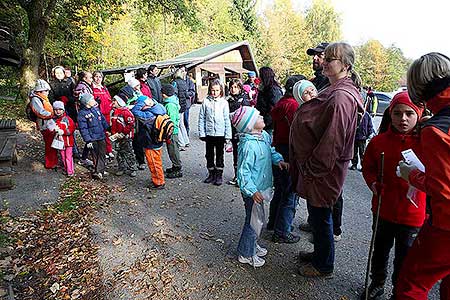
<point>58,105</point>
<point>133,82</point>
<point>299,88</point>
<point>247,88</point>
<point>85,98</point>
<point>403,98</point>
<point>41,85</point>
<point>168,90</point>
<point>119,100</point>
<point>244,118</point>
<point>251,74</point>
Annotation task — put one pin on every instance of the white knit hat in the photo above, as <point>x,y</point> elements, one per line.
<point>58,105</point>
<point>119,101</point>
<point>41,85</point>
<point>133,82</point>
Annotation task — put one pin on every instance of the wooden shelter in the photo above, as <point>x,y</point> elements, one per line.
<point>223,61</point>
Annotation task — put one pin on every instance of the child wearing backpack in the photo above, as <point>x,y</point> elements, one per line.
<point>214,129</point>
<point>255,159</point>
<point>65,128</point>
<point>92,125</point>
<point>146,111</point>
<point>400,219</point>
<point>122,128</point>
<point>40,111</point>
<point>170,102</point>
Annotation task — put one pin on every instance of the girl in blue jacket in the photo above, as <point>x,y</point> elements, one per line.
<point>254,175</point>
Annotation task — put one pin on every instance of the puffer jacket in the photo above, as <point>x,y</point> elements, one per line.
<point>266,100</point>
<point>43,110</point>
<point>395,208</point>
<point>173,108</point>
<point>255,159</point>
<point>181,90</point>
<point>214,119</point>
<point>92,124</point>
<point>122,121</point>
<point>66,124</point>
<point>62,90</point>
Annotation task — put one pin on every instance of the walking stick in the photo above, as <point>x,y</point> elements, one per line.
<point>374,232</point>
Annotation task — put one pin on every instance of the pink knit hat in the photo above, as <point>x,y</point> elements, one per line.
<point>244,118</point>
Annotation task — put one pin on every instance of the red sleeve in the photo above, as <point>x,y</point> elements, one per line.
<point>129,122</point>
<point>370,163</point>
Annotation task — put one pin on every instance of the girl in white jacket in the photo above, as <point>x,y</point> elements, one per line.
<point>214,128</point>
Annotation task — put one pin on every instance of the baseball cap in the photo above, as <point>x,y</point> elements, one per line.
<point>318,49</point>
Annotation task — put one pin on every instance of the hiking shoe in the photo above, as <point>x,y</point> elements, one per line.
<point>86,163</point>
<point>305,227</point>
<point>219,179</point>
<point>260,251</point>
<point>233,181</point>
<point>174,174</point>
<point>98,176</point>
<point>169,170</point>
<point>120,173</point>
<point>337,238</point>
<point>304,256</point>
<point>375,292</point>
<point>254,261</point>
<point>157,186</point>
<point>308,270</point>
<point>288,239</point>
<point>133,174</point>
<point>142,166</point>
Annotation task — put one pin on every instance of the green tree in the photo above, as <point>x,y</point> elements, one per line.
<point>323,22</point>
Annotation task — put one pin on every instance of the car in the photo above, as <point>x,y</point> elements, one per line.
<point>384,99</point>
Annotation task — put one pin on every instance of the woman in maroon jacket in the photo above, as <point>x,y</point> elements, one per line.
<point>400,219</point>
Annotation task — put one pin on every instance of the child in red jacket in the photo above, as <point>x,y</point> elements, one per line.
<point>400,218</point>
<point>122,129</point>
<point>64,129</point>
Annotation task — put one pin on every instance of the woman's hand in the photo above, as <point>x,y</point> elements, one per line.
<point>283,165</point>
<point>258,197</point>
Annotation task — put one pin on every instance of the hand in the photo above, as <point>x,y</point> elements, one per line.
<point>405,169</point>
<point>90,146</point>
<point>283,165</point>
<point>227,141</point>
<point>377,188</point>
<point>59,131</point>
<point>203,138</point>
<point>258,197</point>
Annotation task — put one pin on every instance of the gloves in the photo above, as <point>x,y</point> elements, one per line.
<point>405,169</point>
<point>377,188</point>
<point>90,146</point>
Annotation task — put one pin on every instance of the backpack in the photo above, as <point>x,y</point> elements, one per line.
<point>157,130</point>
<point>29,112</point>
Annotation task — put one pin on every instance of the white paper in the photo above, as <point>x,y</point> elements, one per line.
<point>411,159</point>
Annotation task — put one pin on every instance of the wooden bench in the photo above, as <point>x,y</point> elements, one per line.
<point>8,156</point>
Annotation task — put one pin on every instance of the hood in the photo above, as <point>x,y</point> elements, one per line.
<point>440,101</point>
<point>171,99</point>
<point>127,90</point>
<point>158,109</point>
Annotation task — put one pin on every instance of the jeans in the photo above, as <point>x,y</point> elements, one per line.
<point>387,232</point>
<point>336,215</point>
<point>247,242</point>
<point>322,225</point>
<point>138,150</point>
<point>186,120</point>
<point>216,143</point>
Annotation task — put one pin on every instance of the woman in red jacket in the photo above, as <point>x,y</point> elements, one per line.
<point>103,98</point>
<point>400,218</point>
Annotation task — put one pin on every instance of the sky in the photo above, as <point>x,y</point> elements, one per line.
<point>417,27</point>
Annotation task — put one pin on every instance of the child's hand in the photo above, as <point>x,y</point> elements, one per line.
<point>258,197</point>
<point>283,165</point>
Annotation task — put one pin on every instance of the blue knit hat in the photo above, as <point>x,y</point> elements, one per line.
<point>251,74</point>
<point>299,88</point>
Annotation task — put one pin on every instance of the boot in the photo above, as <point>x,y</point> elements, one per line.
<point>211,176</point>
<point>219,180</point>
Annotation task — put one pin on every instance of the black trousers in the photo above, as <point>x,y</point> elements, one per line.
<point>138,150</point>
<point>387,233</point>
<point>359,148</point>
<point>214,144</point>
<point>336,214</point>
<point>99,153</point>
<point>234,143</point>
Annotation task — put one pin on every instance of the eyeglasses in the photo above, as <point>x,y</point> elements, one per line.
<point>330,59</point>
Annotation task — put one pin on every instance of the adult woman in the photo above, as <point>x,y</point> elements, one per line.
<point>181,90</point>
<point>269,94</point>
<point>321,147</point>
<point>141,75</point>
<point>103,98</point>
<point>428,261</point>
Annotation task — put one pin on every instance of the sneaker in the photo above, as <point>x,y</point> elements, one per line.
<point>157,186</point>
<point>111,155</point>
<point>120,173</point>
<point>308,270</point>
<point>233,181</point>
<point>142,166</point>
<point>174,174</point>
<point>260,251</point>
<point>254,261</point>
<point>105,173</point>
<point>169,170</point>
<point>305,227</point>
<point>375,292</point>
<point>97,176</point>
<point>133,174</point>
<point>337,238</point>
<point>288,239</point>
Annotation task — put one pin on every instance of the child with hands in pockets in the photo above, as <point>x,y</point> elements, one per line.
<point>254,176</point>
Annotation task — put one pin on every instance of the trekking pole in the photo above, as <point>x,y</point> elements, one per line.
<point>374,232</point>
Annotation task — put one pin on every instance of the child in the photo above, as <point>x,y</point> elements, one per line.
<point>122,126</point>
<point>65,128</point>
<point>145,111</point>
<point>172,106</point>
<point>399,219</point>
<point>363,132</point>
<point>214,128</point>
<point>256,157</point>
<point>92,125</point>
<point>236,99</point>
<point>304,90</point>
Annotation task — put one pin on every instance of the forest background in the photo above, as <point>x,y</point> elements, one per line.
<point>100,34</point>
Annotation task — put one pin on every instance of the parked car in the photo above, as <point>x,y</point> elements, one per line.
<point>384,99</point>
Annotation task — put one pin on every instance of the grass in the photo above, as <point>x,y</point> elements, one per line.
<point>71,192</point>
<point>11,109</point>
